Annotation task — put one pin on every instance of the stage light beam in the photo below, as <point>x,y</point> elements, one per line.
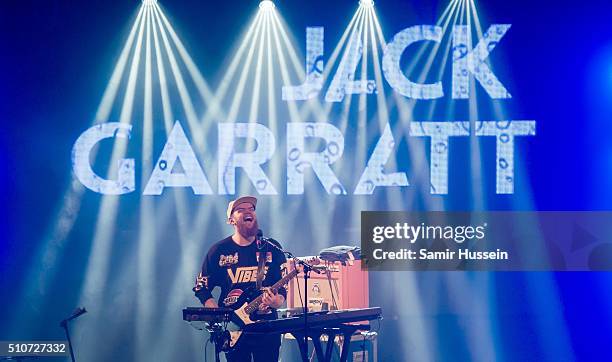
<point>49,255</point>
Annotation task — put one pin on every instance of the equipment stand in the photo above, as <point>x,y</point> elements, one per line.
<point>304,345</point>
<point>64,324</point>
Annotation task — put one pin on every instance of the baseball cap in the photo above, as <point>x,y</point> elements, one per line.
<point>232,205</point>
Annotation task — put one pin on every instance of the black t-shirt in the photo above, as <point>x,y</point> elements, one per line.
<point>233,268</point>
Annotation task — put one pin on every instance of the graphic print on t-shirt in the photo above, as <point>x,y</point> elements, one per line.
<point>232,297</point>
<point>245,274</point>
<point>227,260</point>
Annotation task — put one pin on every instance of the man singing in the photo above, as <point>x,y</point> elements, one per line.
<point>232,264</point>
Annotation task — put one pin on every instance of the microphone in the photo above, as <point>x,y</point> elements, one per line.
<point>77,312</point>
<point>258,238</point>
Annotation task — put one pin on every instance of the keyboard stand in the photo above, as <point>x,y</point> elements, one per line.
<point>345,330</point>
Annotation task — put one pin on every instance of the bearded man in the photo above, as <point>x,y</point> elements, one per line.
<point>232,264</point>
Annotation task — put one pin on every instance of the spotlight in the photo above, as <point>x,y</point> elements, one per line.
<point>266,5</point>
<point>366,3</point>
<point>149,2</point>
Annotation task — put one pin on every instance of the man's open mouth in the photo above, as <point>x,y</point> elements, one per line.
<point>248,218</point>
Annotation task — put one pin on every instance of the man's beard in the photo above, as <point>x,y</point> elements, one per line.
<point>247,231</point>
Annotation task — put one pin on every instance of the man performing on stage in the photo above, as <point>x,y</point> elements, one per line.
<point>233,264</point>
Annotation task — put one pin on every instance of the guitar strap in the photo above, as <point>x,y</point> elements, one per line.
<point>260,268</point>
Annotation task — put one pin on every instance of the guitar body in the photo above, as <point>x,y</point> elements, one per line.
<point>245,311</point>
<point>240,318</point>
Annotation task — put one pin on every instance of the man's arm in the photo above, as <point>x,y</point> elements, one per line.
<point>206,282</point>
<point>211,303</point>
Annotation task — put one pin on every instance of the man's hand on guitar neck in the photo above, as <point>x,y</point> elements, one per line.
<point>271,300</point>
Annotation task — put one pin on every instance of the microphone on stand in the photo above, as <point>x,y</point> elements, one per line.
<point>64,324</point>
<point>258,238</point>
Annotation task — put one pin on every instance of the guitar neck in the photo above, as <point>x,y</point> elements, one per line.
<point>254,305</point>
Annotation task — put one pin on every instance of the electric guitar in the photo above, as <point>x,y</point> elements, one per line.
<point>245,308</point>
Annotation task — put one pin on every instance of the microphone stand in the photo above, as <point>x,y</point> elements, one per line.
<point>64,324</point>
<point>307,269</point>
